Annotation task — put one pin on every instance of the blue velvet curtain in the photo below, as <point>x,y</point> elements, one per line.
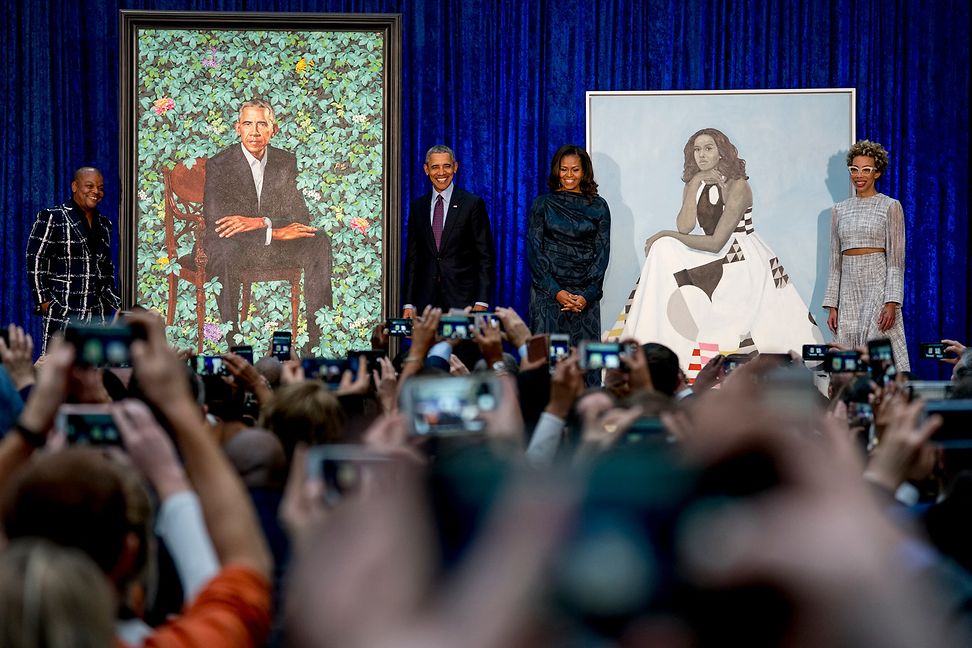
<point>504,83</point>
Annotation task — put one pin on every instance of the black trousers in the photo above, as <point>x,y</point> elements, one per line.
<point>228,259</point>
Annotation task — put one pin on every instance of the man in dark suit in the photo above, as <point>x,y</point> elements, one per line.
<point>256,218</point>
<point>69,264</point>
<point>449,252</point>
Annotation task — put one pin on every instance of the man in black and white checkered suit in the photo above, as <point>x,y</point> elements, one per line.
<point>69,258</point>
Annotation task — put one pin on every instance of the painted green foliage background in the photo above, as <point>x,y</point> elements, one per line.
<point>327,93</point>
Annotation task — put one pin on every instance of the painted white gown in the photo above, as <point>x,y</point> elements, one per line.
<point>698,304</point>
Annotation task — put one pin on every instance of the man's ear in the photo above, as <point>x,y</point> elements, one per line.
<point>425,167</point>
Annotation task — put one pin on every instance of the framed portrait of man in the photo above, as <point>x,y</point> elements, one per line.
<point>260,176</point>
<point>731,191</point>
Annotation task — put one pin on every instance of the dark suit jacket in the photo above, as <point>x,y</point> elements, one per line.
<point>229,191</point>
<point>64,269</point>
<point>461,272</point>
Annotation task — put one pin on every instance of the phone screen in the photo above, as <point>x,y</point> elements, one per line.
<point>601,355</point>
<point>449,405</point>
<point>843,362</point>
<point>371,357</point>
<point>456,327</point>
<point>933,351</point>
<point>244,351</point>
<point>328,370</point>
<point>345,469</point>
<point>559,348</point>
<point>88,425</point>
<point>101,346</point>
<point>735,360</point>
<point>281,345</point>
<point>400,327</point>
<point>814,351</point>
<point>210,365</point>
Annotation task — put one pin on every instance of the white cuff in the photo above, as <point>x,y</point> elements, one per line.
<point>180,525</point>
<point>545,441</point>
<point>269,224</point>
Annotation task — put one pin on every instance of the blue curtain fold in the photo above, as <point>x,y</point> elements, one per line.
<point>504,83</point>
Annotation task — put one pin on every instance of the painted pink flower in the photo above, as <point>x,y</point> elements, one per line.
<point>359,225</point>
<point>212,332</point>
<point>163,105</point>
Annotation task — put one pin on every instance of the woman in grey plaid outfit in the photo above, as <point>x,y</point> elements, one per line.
<point>867,250</point>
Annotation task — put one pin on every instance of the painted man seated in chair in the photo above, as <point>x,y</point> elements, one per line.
<point>256,218</point>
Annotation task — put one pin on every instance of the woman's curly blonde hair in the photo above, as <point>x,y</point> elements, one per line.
<point>870,149</point>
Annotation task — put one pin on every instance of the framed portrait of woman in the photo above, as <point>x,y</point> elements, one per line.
<point>260,175</point>
<point>719,187</point>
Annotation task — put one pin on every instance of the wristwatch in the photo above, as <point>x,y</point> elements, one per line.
<point>500,367</point>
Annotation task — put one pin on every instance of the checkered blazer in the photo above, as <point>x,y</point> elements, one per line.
<point>63,270</point>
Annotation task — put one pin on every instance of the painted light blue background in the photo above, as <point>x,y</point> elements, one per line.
<point>794,145</point>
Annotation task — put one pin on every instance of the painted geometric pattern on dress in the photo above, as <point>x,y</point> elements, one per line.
<point>745,226</point>
<point>746,344</point>
<point>780,278</point>
<point>735,253</point>
<point>704,277</point>
<point>614,333</point>
<point>701,354</point>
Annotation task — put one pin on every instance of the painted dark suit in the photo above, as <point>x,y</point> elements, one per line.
<point>230,191</point>
<point>460,272</point>
<point>69,267</point>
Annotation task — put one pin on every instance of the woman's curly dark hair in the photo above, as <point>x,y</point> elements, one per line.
<point>871,150</point>
<point>587,185</point>
<point>730,165</point>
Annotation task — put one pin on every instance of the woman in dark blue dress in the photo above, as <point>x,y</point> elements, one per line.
<point>568,242</point>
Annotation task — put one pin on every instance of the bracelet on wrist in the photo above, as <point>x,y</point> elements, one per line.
<point>33,438</point>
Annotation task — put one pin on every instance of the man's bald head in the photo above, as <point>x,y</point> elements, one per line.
<point>83,171</point>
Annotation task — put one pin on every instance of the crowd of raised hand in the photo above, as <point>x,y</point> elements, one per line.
<point>265,508</point>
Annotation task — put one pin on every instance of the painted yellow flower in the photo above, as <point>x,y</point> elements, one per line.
<point>162,261</point>
<point>302,65</point>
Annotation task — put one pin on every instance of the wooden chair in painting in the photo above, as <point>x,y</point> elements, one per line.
<point>183,190</point>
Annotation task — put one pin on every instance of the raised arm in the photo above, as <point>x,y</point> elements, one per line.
<point>738,198</point>
<point>229,515</point>
<point>688,215</point>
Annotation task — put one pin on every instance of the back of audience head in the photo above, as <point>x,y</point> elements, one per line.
<point>53,596</point>
<point>270,368</point>
<point>663,367</point>
<point>75,498</point>
<point>306,412</point>
<point>258,457</point>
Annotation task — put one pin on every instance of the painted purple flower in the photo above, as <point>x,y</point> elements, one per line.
<point>211,61</point>
<point>212,332</point>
